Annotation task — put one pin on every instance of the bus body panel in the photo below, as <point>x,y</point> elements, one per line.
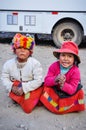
<point>41,17</point>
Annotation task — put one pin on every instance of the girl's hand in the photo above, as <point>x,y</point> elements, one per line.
<point>14,89</point>
<point>60,79</point>
<point>20,91</point>
<point>17,91</point>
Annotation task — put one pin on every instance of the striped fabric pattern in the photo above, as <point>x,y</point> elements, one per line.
<point>56,105</point>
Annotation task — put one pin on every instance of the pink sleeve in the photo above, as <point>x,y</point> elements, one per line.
<point>53,71</point>
<point>72,81</point>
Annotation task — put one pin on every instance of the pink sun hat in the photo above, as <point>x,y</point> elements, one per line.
<point>68,47</point>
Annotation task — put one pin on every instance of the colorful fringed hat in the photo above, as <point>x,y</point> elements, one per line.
<point>20,40</point>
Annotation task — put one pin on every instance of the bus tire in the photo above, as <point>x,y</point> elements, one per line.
<point>67,31</point>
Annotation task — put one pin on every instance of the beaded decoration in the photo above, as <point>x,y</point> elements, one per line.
<point>20,40</point>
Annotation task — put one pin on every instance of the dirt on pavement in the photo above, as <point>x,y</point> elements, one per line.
<point>12,116</point>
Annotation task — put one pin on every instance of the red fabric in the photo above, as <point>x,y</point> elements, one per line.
<point>16,83</point>
<point>29,103</point>
<point>62,102</point>
<point>68,47</point>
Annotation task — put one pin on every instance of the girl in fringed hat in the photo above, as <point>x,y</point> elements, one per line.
<point>63,91</point>
<point>22,75</point>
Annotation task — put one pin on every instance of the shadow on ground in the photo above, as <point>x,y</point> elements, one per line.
<point>42,42</point>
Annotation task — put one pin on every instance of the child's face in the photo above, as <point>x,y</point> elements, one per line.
<point>66,59</point>
<point>22,54</point>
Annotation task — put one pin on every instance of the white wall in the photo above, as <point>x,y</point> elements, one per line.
<point>44,5</point>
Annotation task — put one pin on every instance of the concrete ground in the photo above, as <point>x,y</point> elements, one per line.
<point>13,118</point>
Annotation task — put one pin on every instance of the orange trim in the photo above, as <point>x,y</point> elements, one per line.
<point>15,13</point>
<point>54,12</point>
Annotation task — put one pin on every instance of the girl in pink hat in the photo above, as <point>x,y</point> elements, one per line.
<point>22,75</point>
<point>63,91</point>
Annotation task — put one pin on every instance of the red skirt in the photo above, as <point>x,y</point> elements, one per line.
<point>59,105</point>
<point>27,101</point>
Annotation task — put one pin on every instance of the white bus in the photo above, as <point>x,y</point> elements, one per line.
<point>63,19</point>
